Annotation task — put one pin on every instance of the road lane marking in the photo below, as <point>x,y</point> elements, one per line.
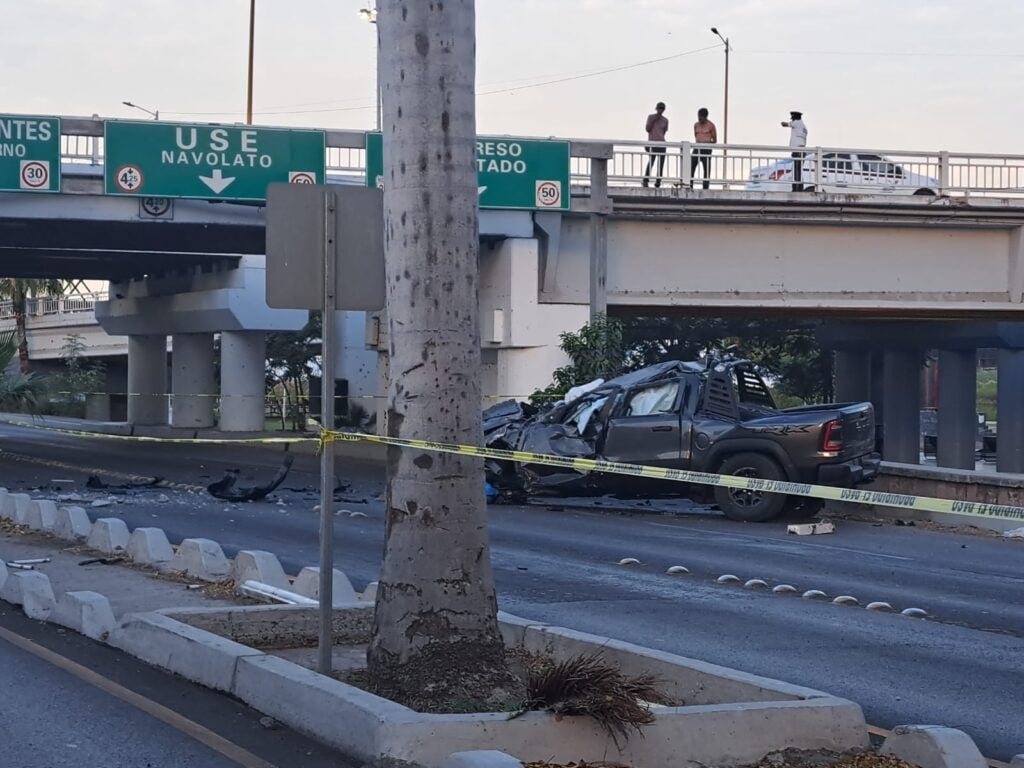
<point>179,722</point>
<point>768,539</point>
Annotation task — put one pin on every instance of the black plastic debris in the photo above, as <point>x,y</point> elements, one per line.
<point>227,489</point>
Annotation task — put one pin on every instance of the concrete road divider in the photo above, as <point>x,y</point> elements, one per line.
<point>88,613</point>
<point>1017,762</point>
<point>72,524</point>
<point>41,515</point>
<point>481,759</point>
<point>149,546</point>
<point>19,511</point>
<point>257,565</point>
<point>369,594</point>
<point>201,559</point>
<point>7,505</point>
<point>3,574</point>
<point>31,590</point>
<point>307,584</point>
<point>199,656</point>
<point>109,535</point>
<point>933,746</point>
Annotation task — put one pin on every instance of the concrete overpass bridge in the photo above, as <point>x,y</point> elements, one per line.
<point>884,265</point>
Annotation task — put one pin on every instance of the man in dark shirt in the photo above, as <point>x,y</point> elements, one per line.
<point>704,132</point>
<point>657,128</point>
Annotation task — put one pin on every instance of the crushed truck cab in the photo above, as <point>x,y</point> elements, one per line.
<point>719,418</point>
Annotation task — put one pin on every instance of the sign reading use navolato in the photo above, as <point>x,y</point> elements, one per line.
<point>512,173</point>
<point>221,162</point>
<point>29,153</point>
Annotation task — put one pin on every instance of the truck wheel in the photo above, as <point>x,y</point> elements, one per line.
<point>750,506</point>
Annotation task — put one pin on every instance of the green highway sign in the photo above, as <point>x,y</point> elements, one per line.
<point>513,173</point>
<point>29,153</point>
<point>219,162</point>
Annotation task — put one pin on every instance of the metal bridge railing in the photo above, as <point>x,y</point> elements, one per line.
<point>765,168</point>
<point>51,305</point>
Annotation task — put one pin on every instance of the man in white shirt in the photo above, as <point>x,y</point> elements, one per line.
<point>797,138</point>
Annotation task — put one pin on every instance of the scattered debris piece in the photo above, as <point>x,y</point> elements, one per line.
<point>678,570</point>
<point>878,605</point>
<point>810,529</point>
<point>225,487</point>
<point>629,561</point>
<point>95,484</point>
<point>915,613</point>
<point>269,723</point>
<point>728,578</point>
<point>357,514</point>
<point>163,498</point>
<point>21,567</point>
<point>102,503</point>
<point>814,594</point>
<point>102,561</point>
<point>33,561</point>
<point>846,600</point>
<point>784,589</point>
<point>1016,533</point>
<point>756,584</point>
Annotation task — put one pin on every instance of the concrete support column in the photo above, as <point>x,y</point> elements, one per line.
<point>1010,420</point>
<point>242,380</point>
<point>958,407</point>
<point>901,382</point>
<point>147,380</point>
<point>192,380</point>
<point>852,376</point>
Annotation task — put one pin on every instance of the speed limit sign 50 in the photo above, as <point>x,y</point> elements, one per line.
<point>549,194</point>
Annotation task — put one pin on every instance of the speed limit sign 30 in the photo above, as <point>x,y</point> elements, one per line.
<point>35,174</point>
<point>549,194</point>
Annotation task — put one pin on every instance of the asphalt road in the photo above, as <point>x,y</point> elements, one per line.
<point>963,667</point>
<point>50,717</point>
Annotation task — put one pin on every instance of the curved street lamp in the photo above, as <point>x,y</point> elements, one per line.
<point>725,113</point>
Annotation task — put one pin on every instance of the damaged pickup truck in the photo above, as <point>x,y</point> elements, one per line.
<point>718,418</point>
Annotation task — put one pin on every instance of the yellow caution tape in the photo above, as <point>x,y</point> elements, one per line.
<point>808,490</point>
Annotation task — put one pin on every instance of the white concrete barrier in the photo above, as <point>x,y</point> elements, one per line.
<point>19,512</point>
<point>7,506</point>
<point>196,655</point>
<point>41,515</point>
<point>3,574</point>
<point>73,524</point>
<point>31,590</point>
<point>108,535</point>
<point>87,613</point>
<point>1017,762</point>
<point>933,746</point>
<point>370,593</point>
<point>257,565</point>
<point>307,583</point>
<point>202,559</point>
<point>149,546</point>
<point>481,759</point>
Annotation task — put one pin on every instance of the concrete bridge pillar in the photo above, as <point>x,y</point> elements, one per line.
<point>1010,420</point>
<point>852,376</point>
<point>242,380</point>
<point>958,408</point>
<point>192,380</point>
<point>147,380</point>
<point>901,415</point>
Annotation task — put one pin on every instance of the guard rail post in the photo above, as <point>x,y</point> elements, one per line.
<point>686,165</point>
<point>817,169</point>
<point>943,172</point>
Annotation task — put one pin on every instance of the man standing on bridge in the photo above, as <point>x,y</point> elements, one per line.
<point>797,138</point>
<point>704,132</point>
<point>657,128</point>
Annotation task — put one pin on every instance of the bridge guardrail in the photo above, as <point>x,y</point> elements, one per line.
<point>731,165</point>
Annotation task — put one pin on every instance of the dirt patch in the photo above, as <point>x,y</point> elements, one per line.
<point>794,758</point>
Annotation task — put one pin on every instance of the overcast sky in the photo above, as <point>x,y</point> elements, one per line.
<point>889,74</point>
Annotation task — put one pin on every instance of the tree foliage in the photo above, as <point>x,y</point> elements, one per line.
<point>18,291</point>
<point>785,350</point>
<point>79,379</point>
<point>290,358</point>
<point>18,391</point>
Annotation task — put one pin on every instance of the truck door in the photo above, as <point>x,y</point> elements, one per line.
<point>648,427</point>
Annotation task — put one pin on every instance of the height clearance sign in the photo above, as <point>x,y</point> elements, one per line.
<point>29,153</point>
<point>512,173</point>
<point>218,162</point>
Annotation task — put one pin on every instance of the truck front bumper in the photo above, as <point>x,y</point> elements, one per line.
<point>850,473</point>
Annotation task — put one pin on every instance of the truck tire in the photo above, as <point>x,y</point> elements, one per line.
<point>750,506</point>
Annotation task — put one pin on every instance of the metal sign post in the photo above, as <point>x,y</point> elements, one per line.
<point>325,250</point>
<point>327,333</point>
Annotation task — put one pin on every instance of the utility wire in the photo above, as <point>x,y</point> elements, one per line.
<point>526,86</point>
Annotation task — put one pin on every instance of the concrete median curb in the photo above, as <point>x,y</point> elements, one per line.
<point>109,535</point>
<point>481,759</point>
<point>88,613</point>
<point>933,746</point>
<point>149,546</point>
<point>31,590</point>
<point>257,565</point>
<point>307,584</point>
<point>41,515</point>
<point>19,508</point>
<point>201,559</point>
<point>72,524</point>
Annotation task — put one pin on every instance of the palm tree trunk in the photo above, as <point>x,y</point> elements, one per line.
<point>436,617</point>
<point>20,324</point>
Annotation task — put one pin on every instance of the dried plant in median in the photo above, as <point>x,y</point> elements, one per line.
<point>588,685</point>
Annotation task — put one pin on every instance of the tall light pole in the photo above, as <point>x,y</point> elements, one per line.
<point>252,42</point>
<point>154,115</point>
<point>369,15</point>
<point>725,114</point>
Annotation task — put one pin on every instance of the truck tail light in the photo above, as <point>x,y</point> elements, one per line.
<point>832,440</point>
<point>778,174</point>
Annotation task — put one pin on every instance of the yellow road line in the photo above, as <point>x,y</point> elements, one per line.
<point>190,728</point>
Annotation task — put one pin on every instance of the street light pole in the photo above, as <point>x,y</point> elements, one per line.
<point>155,115</point>
<point>725,112</point>
<point>252,41</point>
<point>369,15</point>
